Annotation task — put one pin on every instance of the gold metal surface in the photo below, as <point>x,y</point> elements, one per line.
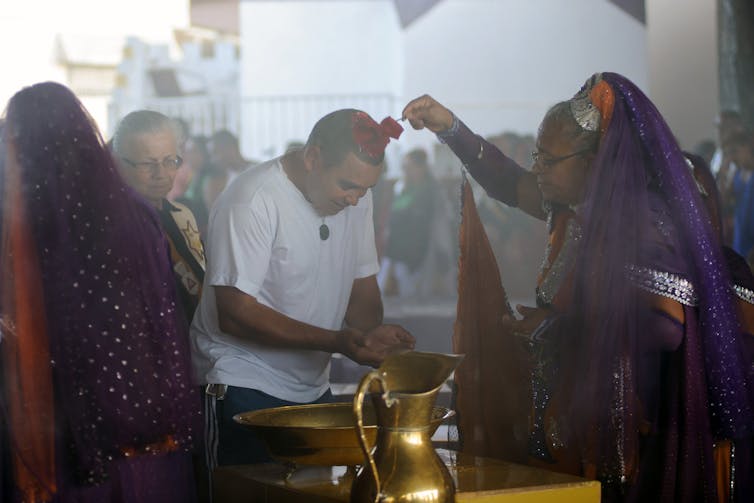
<point>478,480</point>
<point>404,466</point>
<point>319,434</point>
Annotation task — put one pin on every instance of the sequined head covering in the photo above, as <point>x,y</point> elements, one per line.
<point>118,348</point>
<point>639,164</point>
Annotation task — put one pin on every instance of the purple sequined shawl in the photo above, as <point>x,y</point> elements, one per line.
<point>639,159</point>
<point>120,351</point>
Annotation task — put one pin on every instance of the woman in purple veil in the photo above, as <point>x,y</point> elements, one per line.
<point>641,374</point>
<point>98,399</point>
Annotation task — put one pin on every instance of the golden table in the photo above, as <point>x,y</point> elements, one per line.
<point>478,480</point>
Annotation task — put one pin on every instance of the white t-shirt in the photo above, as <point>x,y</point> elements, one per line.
<point>264,240</point>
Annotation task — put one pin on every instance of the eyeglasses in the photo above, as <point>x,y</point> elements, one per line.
<point>548,163</point>
<point>147,167</point>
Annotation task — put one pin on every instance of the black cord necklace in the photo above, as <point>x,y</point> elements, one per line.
<point>324,231</point>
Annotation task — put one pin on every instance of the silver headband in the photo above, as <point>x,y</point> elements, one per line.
<point>582,109</point>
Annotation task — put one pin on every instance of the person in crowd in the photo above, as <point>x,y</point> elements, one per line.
<point>182,181</point>
<point>186,148</point>
<point>98,399</point>
<point>738,149</point>
<point>512,234</point>
<point>728,122</point>
<point>182,130</point>
<point>411,256</point>
<point>729,125</point>
<point>705,149</point>
<point>145,145</point>
<point>227,163</point>
<point>382,199</point>
<point>409,226</point>
<point>294,145</point>
<point>196,160</point>
<point>185,173</point>
<point>291,280</point>
<point>640,368</point>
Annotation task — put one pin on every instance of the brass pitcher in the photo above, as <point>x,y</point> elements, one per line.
<point>405,466</point>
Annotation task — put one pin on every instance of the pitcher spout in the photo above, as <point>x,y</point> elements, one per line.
<point>414,372</point>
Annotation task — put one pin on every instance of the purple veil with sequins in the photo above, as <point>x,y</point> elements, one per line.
<point>120,353</point>
<point>638,162</point>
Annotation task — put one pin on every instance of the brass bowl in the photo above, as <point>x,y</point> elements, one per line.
<point>319,434</point>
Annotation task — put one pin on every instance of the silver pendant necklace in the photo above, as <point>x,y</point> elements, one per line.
<point>324,231</point>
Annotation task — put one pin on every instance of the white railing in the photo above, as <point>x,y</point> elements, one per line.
<point>269,123</point>
<point>204,114</point>
<point>264,125</point>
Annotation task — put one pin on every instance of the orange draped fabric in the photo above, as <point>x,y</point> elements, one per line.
<point>722,456</point>
<point>603,97</point>
<point>493,382</point>
<point>26,353</point>
<point>556,241</point>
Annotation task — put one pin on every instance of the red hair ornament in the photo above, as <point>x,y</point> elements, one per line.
<point>371,137</point>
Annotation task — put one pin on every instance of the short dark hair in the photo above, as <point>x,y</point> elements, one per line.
<point>183,128</point>
<point>418,156</point>
<point>728,114</point>
<point>333,134</point>
<point>224,138</point>
<point>737,137</point>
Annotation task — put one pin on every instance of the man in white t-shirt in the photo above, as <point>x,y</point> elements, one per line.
<point>291,279</point>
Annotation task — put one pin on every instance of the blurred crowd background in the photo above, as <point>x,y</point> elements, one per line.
<point>246,79</point>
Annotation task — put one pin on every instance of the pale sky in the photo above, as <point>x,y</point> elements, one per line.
<point>28,29</point>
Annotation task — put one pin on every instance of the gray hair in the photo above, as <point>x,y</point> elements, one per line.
<point>561,113</point>
<point>140,122</point>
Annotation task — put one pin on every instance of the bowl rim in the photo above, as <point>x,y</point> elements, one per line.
<point>242,418</point>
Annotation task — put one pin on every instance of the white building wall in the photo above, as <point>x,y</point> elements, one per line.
<point>210,84</point>
<point>683,66</point>
<point>303,59</point>
<point>28,29</point>
<point>499,64</point>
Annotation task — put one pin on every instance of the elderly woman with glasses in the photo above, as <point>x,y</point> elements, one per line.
<point>641,372</point>
<point>146,146</point>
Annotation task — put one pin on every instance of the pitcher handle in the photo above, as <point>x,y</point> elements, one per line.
<point>358,401</point>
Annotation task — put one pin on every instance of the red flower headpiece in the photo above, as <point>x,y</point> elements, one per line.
<point>372,138</point>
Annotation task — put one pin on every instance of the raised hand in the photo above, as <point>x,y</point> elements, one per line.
<point>426,112</point>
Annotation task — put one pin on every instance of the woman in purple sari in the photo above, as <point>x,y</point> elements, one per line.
<point>641,374</point>
<point>97,400</point>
